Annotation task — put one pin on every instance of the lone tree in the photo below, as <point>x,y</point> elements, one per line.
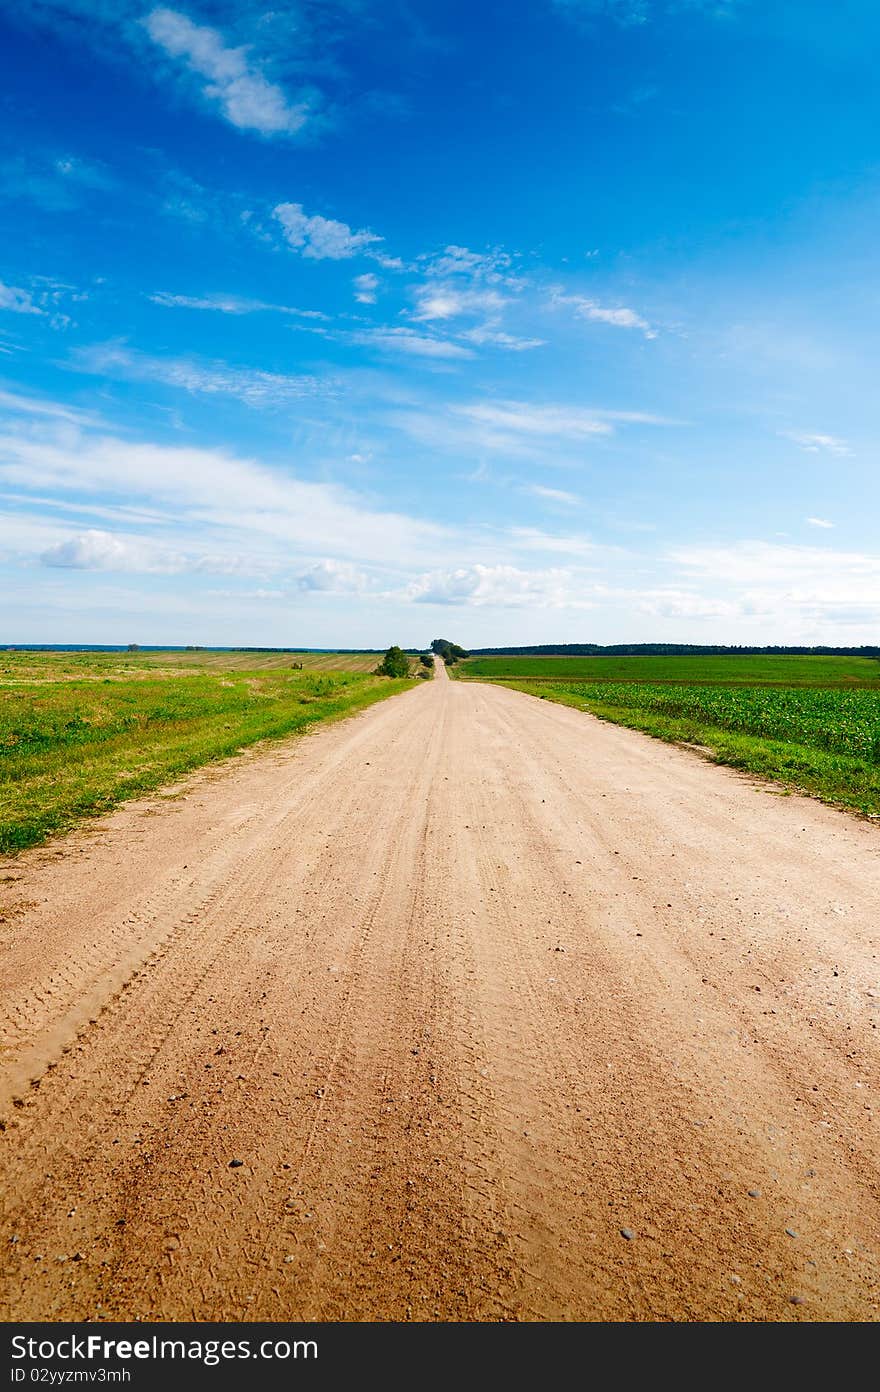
<point>395,663</point>
<point>450,652</point>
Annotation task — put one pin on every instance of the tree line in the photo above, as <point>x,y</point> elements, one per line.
<point>668,650</point>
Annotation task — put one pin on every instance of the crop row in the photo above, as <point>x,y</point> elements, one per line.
<point>847,722</point>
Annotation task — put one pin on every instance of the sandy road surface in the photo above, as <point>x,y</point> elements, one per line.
<point>469,984</point>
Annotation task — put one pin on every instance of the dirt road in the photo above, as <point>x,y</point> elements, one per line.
<point>470,1007</point>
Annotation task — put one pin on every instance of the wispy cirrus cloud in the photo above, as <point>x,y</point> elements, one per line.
<point>230,304</point>
<point>522,418</point>
<point>551,495</point>
<point>17,300</point>
<point>818,522</point>
<point>521,429</point>
<point>808,585</point>
<point>242,514</point>
<point>232,81</point>
<point>249,385</point>
<point>815,443</point>
<point>403,340</point>
<point>617,316</point>
<point>320,238</point>
<point>488,337</point>
<point>634,14</point>
<point>51,410</point>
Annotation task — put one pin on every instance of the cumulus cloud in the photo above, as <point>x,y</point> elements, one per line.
<point>95,549</point>
<point>99,550</point>
<point>504,586</point>
<point>365,287</point>
<point>321,238</point>
<point>246,98</point>
<point>333,577</point>
<point>438,301</point>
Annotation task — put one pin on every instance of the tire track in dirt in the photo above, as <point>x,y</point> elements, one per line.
<point>469,984</point>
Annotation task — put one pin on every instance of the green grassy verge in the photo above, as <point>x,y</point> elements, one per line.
<point>72,748</point>
<point>831,754</point>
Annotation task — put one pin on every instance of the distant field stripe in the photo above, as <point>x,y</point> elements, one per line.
<point>778,670</point>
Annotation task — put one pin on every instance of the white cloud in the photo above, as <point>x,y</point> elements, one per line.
<point>400,340</point>
<point>99,550</point>
<point>365,287</point>
<point>230,304</point>
<point>246,98</point>
<point>501,586</point>
<point>520,418</point>
<point>438,301</point>
<point>53,410</point>
<point>806,584</point>
<point>817,444</point>
<point>321,238</point>
<point>492,267</point>
<point>763,561</point>
<point>533,539</point>
<point>248,385</point>
<point>680,604</point>
<point>333,577</point>
<point>495,338</point>
<point>818,522</point>
<point>619,317</point>
<point>210,502</point>
<point>17,301</point>
<point>552,495</point>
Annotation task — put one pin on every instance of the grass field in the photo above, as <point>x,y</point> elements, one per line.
<point>56,666</point>
<point>812,723</point>
<point>79,733</point>
<point>780,670</point>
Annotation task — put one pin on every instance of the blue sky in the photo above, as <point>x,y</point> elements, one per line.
<point>355,323</point>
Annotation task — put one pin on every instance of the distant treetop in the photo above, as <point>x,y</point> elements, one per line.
<point>450,652</point>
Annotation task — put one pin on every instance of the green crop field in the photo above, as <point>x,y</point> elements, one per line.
<point>812,723</point>
<point>745,670</point>
<point>80,732</point>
